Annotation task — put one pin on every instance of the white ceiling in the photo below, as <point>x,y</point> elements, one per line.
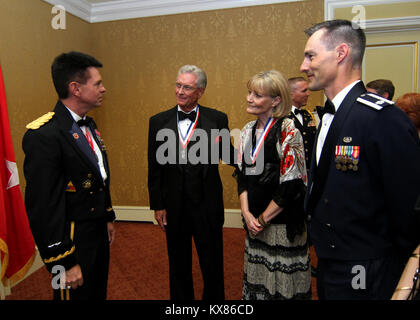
<point>109,10</point>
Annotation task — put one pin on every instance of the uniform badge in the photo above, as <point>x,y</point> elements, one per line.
<point>70,187</point>
<point>87,184</point>
<point>347,157</point>
<point>101,141</point>
<point>75,135</point>
<point>347,139</point>
<point>312,124</point>
<point>374,101</point>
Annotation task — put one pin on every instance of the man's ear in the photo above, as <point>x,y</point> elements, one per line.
<point>74,88</point>
<point>201,92</point>
<point>385,95</point>
<point>342,51</point>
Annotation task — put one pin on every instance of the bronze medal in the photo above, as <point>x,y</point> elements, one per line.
<point>87,184</point>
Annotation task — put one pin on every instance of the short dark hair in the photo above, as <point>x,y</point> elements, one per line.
<point>339,31</point>
<point>381,86</point>
<point>71,66</point>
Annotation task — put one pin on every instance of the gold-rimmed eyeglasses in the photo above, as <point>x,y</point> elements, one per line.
<point>186,88</point>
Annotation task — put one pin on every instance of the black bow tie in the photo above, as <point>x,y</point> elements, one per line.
<point>182,115</point>
<point>298,111</point>
<point>84,122</point>
<point>328,108</point>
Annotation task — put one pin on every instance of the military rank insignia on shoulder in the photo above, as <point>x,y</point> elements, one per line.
<point>374,101</point>
<point>38,123</point>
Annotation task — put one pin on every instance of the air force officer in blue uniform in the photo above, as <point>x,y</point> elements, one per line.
<point>365,173</point>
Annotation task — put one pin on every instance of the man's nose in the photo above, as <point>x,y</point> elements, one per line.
<point>303,66</point>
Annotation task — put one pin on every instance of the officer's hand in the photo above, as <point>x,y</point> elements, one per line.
<point>160,216</point>
<point>74,277</point>
<point>111,232</point>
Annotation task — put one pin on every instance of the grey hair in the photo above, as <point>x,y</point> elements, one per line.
<point>294,80</point>
<point>200,74</point>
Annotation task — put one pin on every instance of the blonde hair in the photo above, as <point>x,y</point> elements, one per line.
<point>273,84</point>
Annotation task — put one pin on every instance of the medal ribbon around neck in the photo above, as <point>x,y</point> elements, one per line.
<point>269,124</point>
<point>190,131</point>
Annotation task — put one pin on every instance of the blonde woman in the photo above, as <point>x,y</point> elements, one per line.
<point>271,187</point>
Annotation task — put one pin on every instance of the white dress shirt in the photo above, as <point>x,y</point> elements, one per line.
<point>328,118</point>
<point>184,125</point>
<point>98,152</point>
<point>298,116</point>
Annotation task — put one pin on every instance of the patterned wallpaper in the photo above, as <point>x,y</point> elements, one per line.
<point>28,45</point>
<point>141,58</point>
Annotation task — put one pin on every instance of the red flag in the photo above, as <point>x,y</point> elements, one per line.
<point>17,247</point>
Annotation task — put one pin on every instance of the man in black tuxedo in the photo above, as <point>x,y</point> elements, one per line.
<point>364,176</point>
<point>186,194</point>
<point>67,182</point>
<point>303,120</point>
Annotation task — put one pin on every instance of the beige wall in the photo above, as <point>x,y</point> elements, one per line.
<point>141,58</point>
<point>394,56</point>
<point>28,45</point>
<point>390,54</point>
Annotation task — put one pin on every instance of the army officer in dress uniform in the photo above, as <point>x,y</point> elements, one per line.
<point>67,182</point>
<point>303,119</point>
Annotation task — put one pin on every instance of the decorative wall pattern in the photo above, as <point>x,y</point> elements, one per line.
<point>141,58</point>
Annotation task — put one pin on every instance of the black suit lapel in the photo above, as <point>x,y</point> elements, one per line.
<point>298,125</point>
<point>206,124</point>
<point>75,137</point>
<point>319,173</point>
<point>171,123</point>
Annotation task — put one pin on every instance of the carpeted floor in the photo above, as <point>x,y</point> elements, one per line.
<point>139,267</point>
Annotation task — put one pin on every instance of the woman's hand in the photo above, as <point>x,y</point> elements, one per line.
<point>252,224</point>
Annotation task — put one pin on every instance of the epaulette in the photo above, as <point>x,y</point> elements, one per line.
<point>374,101</point>
<point>36,124</point>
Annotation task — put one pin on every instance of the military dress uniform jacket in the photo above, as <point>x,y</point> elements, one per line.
<point>365,210</point>
<point>63,185</point>
<point>308,131</point>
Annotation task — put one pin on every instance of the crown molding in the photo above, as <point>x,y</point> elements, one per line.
<point>393,24</point>
<point>375,25</point>
<point>79,8</point>
<point>130,9</point>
